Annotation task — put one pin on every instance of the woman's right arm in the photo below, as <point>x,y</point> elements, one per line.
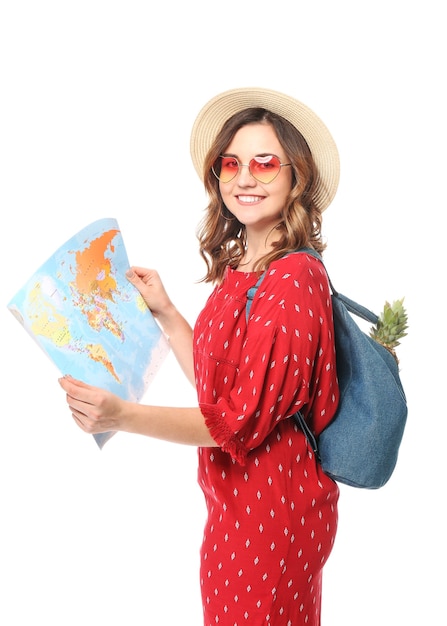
<point>174,325</point>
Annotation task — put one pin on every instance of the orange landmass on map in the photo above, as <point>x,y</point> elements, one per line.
<point>95,284</point>
<point>93,268</point>
<point>97,353</point>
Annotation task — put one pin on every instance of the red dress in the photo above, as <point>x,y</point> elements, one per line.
<point>272,512</point>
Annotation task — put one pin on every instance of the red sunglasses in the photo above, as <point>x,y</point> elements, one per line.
<point>263,168</point>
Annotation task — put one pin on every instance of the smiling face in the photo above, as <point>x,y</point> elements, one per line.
<point>256,205</point>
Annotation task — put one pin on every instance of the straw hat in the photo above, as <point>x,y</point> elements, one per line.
<point>321,144</point>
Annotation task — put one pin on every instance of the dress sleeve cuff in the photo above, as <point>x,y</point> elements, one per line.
<point>222,434</point>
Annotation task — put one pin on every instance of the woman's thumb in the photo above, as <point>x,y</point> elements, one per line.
<point>130,274</point>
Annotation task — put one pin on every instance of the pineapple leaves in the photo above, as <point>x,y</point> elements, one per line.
<point>391,326</point>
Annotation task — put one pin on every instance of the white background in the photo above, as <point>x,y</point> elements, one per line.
<point>96,106</point>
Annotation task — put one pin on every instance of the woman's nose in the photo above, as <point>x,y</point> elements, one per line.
<point>245,179</point>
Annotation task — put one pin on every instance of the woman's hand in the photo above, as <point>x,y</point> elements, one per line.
<point>98,411</point>
<point>149,284</point>
<point>175,326</point>
<point>93,409</point>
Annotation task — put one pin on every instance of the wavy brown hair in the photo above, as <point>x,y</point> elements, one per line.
<point>222,237</point>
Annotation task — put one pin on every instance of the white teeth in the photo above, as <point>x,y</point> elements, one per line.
<point>249,199</point>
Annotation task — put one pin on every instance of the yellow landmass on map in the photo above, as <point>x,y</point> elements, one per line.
<point>141,304</point>
<point>46,321</point>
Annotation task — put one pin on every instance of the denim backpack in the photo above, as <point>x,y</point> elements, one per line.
<point>360,446</point>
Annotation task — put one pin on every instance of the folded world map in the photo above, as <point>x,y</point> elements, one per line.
<point>86,316</point>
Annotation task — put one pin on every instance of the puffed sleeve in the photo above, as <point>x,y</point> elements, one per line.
<point>286,360</point>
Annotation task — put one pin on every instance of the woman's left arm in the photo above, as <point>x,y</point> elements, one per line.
<point>96,411</point>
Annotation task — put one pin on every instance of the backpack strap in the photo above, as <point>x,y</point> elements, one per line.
<point>311,439</point>
<point>351,305</point>
<point>251,294</point>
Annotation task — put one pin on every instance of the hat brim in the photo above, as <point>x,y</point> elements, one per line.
<point>324,151</point>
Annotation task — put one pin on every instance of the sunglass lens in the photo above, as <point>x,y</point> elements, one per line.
<point>265,168</point>
<point>226,168</point>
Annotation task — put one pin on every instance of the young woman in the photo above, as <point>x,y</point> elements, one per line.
<point>270,167</point>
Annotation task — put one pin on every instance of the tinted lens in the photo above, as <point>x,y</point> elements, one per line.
<point>265,168</point>
<point>226,168</point>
